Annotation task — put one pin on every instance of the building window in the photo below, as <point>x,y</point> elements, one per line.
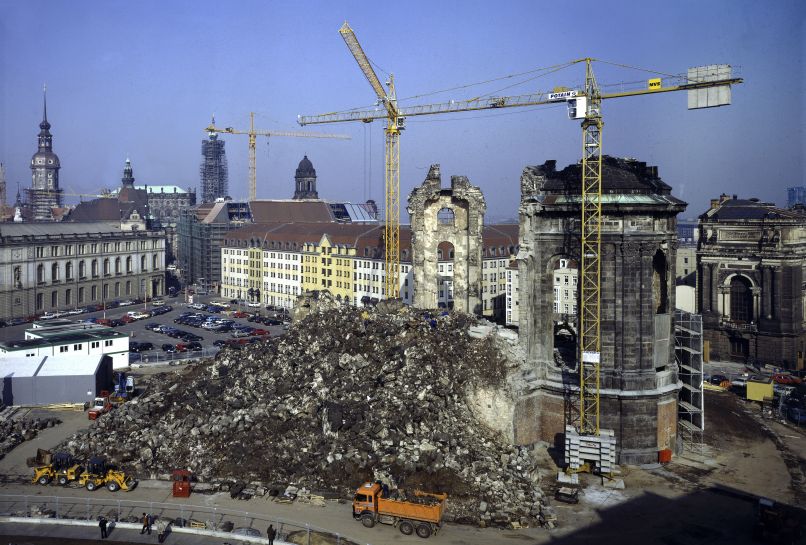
<point>106,266</point>
<point>77,347</point>
<point>80,295</point>
<point>40,301</point>
<point>64,348</point>
<point>95,344</point>
<point>40,274</point>
<point>108,343</point>
<point>54,298</point>
<point>128,263</point>
<point>54,272</point>
<point>741,300</point>
<point>68,296</point>
<point>117,265</point>
<point>95,268</point>
<point>94,293</point>
<point>68,271</point>
<point>142,263</point>
<point>128,287</point>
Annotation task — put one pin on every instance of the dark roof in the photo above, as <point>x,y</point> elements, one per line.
<point>96,210</point>
<point>305,168</point>
<point>752,209</point>
<point>291,211</point>
<point>367,239</point>
<point>619,175</point>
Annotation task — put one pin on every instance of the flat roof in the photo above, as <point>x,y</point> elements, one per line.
<point>50,366</point>
<point>56,338</point>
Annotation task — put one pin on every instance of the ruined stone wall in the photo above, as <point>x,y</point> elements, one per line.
<point>464,232</point>
<point>638,372</point>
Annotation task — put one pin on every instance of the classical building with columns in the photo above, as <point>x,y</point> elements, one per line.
<point>45,267</point>
<point>751,284</point>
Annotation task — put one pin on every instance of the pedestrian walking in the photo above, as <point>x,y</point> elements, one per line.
<point>146,520</point>
<point>271,533</point>
<point>102,526</point>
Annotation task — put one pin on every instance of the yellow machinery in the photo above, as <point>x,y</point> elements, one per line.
<point>99,474</point>
<point>253,134</point>
<point>60,466</point>
<point>708,86</point>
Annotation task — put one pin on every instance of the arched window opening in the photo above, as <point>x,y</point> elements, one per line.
<point>741,300</point>
<point>40,273</point>
<point>446,216</point>
<point>54,272</point>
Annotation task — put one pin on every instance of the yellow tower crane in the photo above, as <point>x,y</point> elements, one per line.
<point>253,134</point>
<point>708,86</point>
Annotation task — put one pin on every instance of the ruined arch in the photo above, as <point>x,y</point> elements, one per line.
<point>440,216</point>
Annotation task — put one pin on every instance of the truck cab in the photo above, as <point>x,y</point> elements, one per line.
<point>365,499</point>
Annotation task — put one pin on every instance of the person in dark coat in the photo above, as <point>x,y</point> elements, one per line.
<point>102,525</point>
<point>271,533</point>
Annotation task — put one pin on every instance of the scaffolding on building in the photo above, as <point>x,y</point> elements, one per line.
<point>688,355</point>
<point>214,174</point>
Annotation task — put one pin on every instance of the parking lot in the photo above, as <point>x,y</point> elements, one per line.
<point>145,330</point>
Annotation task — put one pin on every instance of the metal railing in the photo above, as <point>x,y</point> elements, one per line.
<point>174,515</point>
<point>157,357</point>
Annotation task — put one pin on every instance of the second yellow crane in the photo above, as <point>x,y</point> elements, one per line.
<point>253,134</point>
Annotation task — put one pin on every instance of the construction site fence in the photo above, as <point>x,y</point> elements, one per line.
<point>173,515</point>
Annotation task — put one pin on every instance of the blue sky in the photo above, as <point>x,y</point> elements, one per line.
<point>142,79</point>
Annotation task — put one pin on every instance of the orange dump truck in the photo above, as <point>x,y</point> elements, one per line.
<point>422,515</point>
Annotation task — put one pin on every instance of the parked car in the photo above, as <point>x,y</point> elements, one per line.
<point>126,303</point>
<point>253,305</point>
<point>239,333</point>
<point>781,378</point>
<point>153,326</point>
<point>157,302</point>
<point>718,379</point>
<point>220,343</point>
<point>168,348</point>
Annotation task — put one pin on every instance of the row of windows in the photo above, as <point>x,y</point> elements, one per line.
<point>118,289</point>
<point>81,249</point>
<point>55,269</point>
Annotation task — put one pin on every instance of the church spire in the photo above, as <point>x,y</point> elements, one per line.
<point>128,174</point>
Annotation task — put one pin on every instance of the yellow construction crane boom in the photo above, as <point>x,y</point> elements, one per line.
<point>584,104</point>
<point>253,134</point>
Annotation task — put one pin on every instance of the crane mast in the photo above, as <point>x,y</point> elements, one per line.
<point>394,124</point>
<point>590,290</point>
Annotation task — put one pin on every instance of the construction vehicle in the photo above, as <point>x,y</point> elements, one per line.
<point>706,86</point>
<point>253,134</point>
<point>124,388</point>
<point>422,515</point>
<point>99,474</point>
<point>101,405</point>
<point>60,466</point>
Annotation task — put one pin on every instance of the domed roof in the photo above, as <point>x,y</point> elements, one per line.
<point>49,159</point>
<point>305,168</point>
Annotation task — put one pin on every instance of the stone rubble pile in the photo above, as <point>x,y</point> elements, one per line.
<point>14,432</point>
<point>346,396</point>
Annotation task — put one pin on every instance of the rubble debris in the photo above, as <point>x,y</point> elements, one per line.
<point>15,432</point>
<point>346,396</point>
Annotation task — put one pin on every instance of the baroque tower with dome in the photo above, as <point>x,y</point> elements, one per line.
<point>305,178</point>
<point>45,194</point>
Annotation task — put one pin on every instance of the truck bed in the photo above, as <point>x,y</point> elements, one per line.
<point>410,510</point>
